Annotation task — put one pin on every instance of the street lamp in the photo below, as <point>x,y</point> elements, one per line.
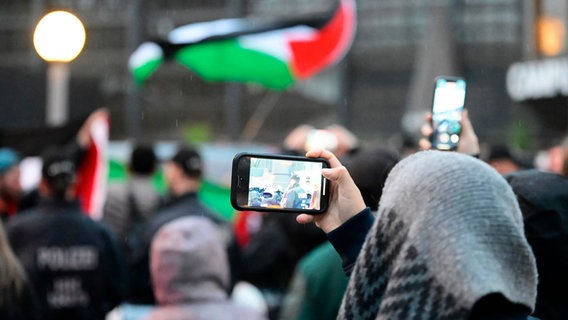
<point>59,37</point>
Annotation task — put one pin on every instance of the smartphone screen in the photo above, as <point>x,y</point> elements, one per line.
<point>279,183</point>
<point>447,107</point>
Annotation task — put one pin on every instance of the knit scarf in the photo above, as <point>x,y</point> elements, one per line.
<point>448,232</point>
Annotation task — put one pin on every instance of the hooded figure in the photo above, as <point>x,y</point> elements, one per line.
<point>190,273</point>
<point>447,243</point>
<point>543,198</point>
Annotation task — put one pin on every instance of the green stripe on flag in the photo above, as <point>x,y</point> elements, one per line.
<point>216,198</point>
<point>225,60</point>
<point>145,70</point>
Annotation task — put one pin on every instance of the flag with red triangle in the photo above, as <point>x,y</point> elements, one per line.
<point>274,54</point>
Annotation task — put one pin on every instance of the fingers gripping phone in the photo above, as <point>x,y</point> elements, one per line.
<point>447,107</point>
<point>278,183</point>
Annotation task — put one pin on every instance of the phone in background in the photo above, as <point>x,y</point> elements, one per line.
<point>279,183</point>
<point>447,107</point>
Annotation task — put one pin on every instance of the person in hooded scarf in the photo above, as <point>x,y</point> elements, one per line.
<point>447,242</point>
<point>190,273</point>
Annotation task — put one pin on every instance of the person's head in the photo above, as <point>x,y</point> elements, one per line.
<point>321,139</point>
<point>143,160</point>
<point>503,160</point>
<point>10,187</point>
<point>335,138</point>
<point>294,181</point>
<point>183,171</point>
<point>553,156</point>
<point>369,169</point>
<point>188,262</point>
<point>347,141</point>
<point>295,141</point>
<point>58,175</point>
<point>448,229</point>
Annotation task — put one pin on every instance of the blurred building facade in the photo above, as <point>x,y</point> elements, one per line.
<point>381,88</point>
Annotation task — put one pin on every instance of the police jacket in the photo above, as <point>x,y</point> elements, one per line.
<point>72,261</point>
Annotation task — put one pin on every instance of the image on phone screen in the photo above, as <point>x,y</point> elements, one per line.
<point>447,107</point>
<point>277,184</point>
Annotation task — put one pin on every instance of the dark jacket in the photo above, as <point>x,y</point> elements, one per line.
<point>543,198</point>
<point>73,261</point>
<point>274,250</point>
<point>186,205</point>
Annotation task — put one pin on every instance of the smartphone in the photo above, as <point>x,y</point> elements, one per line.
<point>279,183</point>
<point>447,107</point>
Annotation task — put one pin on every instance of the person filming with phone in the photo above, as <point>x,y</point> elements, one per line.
<point>541,196</point>
<point>430,253</point>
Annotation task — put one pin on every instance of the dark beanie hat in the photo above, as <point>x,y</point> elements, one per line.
<point>189,160</point>
<point>58,167</point>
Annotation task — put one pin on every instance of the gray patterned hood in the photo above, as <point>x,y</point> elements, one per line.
<point>448,232</point>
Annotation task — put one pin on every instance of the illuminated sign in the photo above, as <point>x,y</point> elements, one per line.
<point>538,79</point>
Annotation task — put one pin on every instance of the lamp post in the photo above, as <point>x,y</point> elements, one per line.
<point>58,38</point>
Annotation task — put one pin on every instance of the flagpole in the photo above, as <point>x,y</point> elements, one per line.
<point>132,102</point>
<point>234,91</point>
<point>259,115</point>
<point>57,94</point>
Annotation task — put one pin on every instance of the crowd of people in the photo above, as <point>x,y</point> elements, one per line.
<point>407,235</point>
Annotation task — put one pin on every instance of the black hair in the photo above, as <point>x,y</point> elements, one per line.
<point>143,159</point>
<point>369,169</point>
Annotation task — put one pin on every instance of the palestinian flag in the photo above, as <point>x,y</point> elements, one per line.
<point>274,54</point>
<point>93,171</point>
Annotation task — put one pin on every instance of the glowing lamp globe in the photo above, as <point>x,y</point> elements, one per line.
<point>59,37</point>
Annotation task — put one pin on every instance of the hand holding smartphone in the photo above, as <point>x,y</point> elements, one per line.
<point>278,183</point>
<point>447,107</point>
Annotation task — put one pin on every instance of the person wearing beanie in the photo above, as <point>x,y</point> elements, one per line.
<point>190,273</point>
<point>503,160</point>
<point>183,175</point>
<point>447,242</point>
<point>72,261</point>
